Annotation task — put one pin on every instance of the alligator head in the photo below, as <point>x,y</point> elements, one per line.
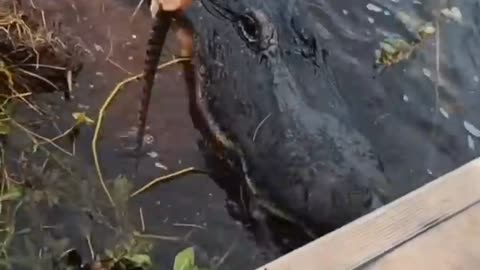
<point>268,96</point>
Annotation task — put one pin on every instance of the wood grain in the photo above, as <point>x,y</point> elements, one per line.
<point>454,244</point>
<point>366,239</point>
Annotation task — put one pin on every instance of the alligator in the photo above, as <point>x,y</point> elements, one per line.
<point>300,155</point>
<point>314,149</point>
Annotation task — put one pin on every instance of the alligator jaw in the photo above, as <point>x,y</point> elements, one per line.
<point>220,139</point>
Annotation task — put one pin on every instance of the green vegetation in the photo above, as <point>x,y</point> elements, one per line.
<point>49,201</point>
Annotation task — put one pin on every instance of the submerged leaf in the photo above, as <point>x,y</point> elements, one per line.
<point>121,190</point>
<point>453,13</point>
<point>4,128</point>
<point>393,50</point>
<point>14,193</point>
<point>426,30</point>
<point>139,260</point>
<point>185,260</point>
<point>81,118</point>
<point>109,254</point>
<point>6,72</point>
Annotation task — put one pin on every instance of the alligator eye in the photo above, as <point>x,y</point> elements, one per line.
<point>248,28</point>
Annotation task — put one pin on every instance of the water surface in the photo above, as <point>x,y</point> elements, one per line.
<point>422,124</point>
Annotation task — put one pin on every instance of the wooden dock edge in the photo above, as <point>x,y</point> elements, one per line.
<point>371,236</point>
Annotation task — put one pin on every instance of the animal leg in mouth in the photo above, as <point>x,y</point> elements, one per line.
<point>163,20</point>
<point>162,24</point>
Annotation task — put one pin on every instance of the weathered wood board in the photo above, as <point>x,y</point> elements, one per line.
<point>454,244</point>
<point>435,227</point>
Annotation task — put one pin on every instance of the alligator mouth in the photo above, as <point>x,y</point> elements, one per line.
<point>225,149</point>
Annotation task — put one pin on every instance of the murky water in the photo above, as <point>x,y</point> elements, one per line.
<point>192,205</point>
<point>416,113</point>
<point>433,126</point>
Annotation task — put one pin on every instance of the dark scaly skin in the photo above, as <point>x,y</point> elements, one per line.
<point>161,25</point>
<point>309,165</point>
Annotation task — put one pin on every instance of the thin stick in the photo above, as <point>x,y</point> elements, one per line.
<point>259,126</point>
<point>110,51</point>
<point>65,133</point>
<point>90,247</point>
<point>41,66</point>
<point>224,257</point>
<point>118,66</point>
<point>22,98</point>
<point>157,237</point>
<point>39,77</point>
<point>101,114</point>
<point>142,220</point>
<point>165,178</point>
<point>35,135</point>
<point>189,225</point>
<point>137,8</point>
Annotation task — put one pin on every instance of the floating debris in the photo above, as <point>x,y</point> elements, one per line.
<point>148,139</point>
<point>98,48</point>
<point>416,25</point>
<point>161,166</point>
<point>472,129</point>
<point>426,30</point>
<point>471,142</point>
<point>392,51</point>
<point>395,49</point>
<point>444,112</point>
<point>427,72</point>
<point>185,260</point>
<point>405,98</point>
<point>452,13</point>
<point>152,154</point>
<point>374,8</point>
<point>81,118</point>
<point>83,106</point>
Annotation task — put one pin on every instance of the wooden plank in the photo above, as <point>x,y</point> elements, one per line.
<point>371,236</point>
<point>454,244</point>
